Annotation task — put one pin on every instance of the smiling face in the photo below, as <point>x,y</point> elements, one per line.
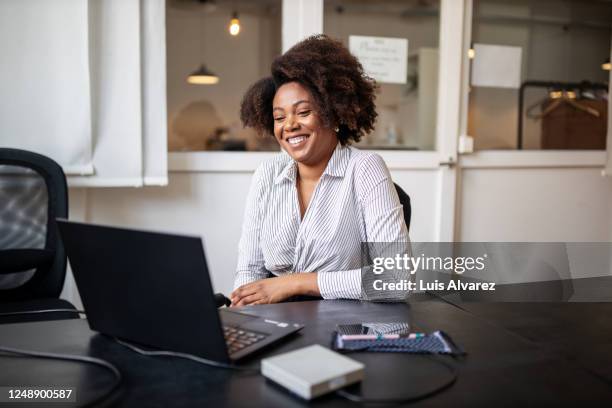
<point>298,128</point>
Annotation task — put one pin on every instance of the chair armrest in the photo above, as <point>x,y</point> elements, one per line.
<point>21,260</point>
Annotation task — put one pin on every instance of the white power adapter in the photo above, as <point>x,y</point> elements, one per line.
<point>312,371</point>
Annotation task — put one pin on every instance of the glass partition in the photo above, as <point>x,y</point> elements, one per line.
<point>539,74</point>
<point>397,42</point>
<point>215,50</point>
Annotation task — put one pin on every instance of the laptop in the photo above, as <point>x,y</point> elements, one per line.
<point>154,289</point>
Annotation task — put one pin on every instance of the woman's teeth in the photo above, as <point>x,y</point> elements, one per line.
<point>296,139</point>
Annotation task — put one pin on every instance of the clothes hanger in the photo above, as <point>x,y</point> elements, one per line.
<point>555,95</point>
<point>560,98</point>
<point>583,107</point>
<point>530,110</point>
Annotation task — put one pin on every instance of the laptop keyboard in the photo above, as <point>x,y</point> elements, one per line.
<point>238,338</point>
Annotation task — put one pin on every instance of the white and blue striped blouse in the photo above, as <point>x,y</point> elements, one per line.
<point>355,201</point>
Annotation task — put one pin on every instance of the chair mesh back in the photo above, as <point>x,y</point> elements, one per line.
<point>23,216</point>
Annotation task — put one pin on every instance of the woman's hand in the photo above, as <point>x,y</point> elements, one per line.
<point>274,290</point>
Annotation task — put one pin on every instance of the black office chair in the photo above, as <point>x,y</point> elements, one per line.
<point>33,192</point>
<point>404,199</point>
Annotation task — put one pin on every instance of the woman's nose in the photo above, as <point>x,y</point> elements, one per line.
<point>291,123</point>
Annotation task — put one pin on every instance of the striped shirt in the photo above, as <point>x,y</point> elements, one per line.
<point>354,201</point>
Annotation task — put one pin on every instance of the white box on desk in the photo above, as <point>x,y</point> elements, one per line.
<point>312,371</point>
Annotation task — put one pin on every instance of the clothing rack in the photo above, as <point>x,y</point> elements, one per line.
<point>561,86</point>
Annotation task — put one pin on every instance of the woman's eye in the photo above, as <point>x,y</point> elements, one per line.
<point>279,119</point>
<point>304,113</point>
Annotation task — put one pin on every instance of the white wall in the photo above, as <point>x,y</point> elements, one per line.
<point>541,205</point>
<point>553,205</point>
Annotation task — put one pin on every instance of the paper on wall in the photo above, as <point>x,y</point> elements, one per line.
<point>496,66</point>
<point>384,59</point>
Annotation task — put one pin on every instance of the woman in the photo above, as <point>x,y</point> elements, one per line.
<point>309,210</point>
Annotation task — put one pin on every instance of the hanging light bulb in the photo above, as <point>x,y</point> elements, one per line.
<point>234,27</point>
<point>471,51</point>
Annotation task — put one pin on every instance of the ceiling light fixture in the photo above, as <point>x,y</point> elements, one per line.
<point>202,76</point>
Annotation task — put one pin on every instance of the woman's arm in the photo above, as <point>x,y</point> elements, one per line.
<point>277,289</point>
<point>250,266</point>
<point>386,232</point>
<point>253,284</point>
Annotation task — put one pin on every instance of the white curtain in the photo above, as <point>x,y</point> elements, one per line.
<point>44,80</point>
<point>100,76</point>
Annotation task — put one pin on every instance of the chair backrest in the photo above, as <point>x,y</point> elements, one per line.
<point>404,199</point>
<point>33,192</point>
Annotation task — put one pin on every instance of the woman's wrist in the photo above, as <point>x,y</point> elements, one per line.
<point>306,284</point>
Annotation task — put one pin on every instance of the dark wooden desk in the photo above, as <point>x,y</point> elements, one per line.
<point>504,367</point>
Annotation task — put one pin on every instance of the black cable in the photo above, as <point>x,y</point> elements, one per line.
<point>26,312</point>
<point>137,349</point>
<point>72,357</point>
<point>166,353</point>
<point>403,400</point>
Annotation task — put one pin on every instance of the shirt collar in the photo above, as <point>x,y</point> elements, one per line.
<point>336,166</point>
<point>289,172</point>
<point>338,162</point>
